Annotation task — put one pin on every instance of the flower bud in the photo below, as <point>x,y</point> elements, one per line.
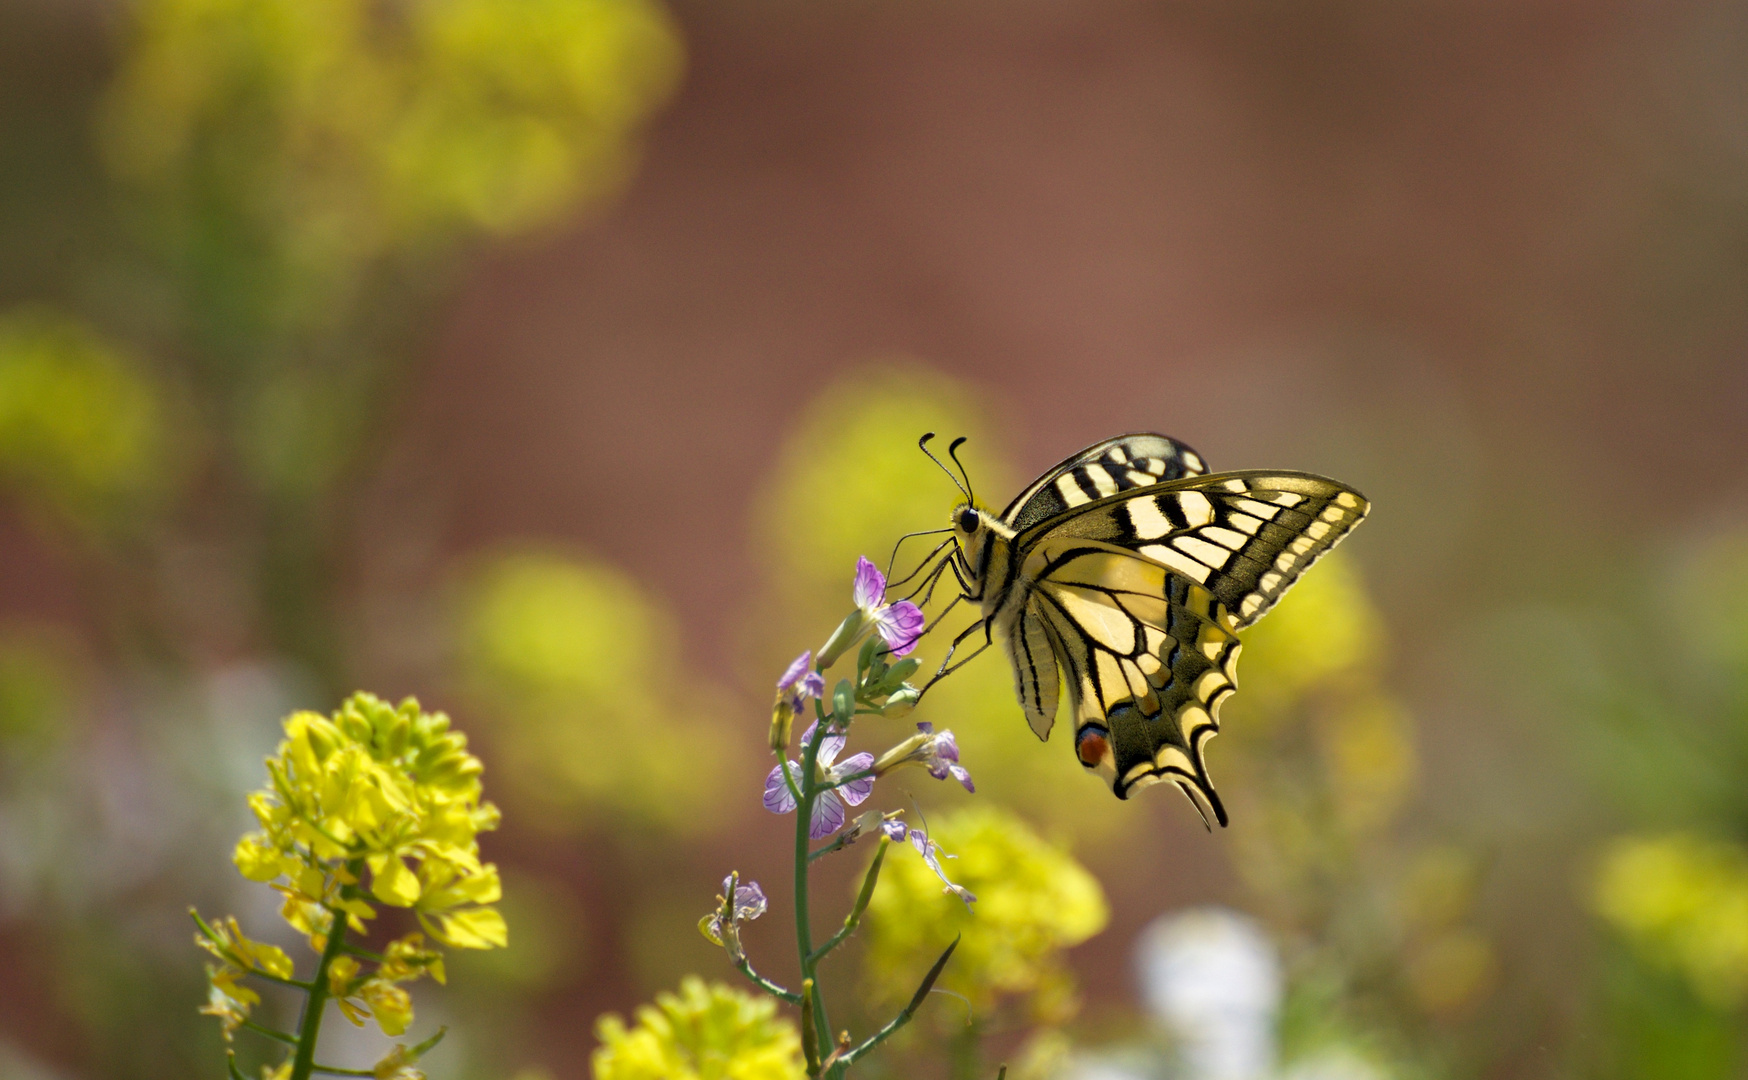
<point>905,753</point>
<point>902,701</point>
<point>782,721</point>
<point>842,638</point>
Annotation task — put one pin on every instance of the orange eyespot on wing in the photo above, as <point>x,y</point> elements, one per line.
<point>1091,747</point>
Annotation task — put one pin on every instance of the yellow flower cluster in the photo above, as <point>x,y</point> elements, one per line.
<point>359,121</point>
<point>1033,901</point>
<point>1682,900</point>
<point>375,787</point>
<point>705,1032</point>
<point>379,792</point>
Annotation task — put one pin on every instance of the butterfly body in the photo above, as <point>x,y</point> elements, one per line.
<point>1120,579</point>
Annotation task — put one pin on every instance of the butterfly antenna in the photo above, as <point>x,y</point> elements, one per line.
<point>923,445</point>
<point>953,452</point>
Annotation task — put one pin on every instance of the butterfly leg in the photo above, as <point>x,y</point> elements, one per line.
<point>936,621</point>
<point>947,667</point>
<point>921,566</point>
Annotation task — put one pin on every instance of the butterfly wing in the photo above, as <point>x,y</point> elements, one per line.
<point>1140,597</point>
<point>1115,465</point>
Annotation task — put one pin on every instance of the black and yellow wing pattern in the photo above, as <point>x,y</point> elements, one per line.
<point>1103,469</point>
<point>1135,570</point>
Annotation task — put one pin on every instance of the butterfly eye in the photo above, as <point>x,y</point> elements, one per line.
<point>967,520</point>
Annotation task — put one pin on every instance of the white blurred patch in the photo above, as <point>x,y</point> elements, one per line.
<point>1212,978</point>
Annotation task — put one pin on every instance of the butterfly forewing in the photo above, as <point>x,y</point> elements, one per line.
<point>1113,466</point>
<point>1244,536</point>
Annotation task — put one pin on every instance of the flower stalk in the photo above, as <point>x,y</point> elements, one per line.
<point>309,1030</point>
<point>378,794</point>
<point>817,790</point>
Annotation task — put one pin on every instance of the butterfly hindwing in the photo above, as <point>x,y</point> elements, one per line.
<point>1035,672</point>
<point>1148,658</point>
<point>1115,465</point>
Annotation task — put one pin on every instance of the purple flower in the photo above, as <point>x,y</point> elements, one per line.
<point>932,855</point>
<point>828,805</point>
<point>936,752</point>
<point>799,683</point>
<point>899,624</point>
<point>722,926</point>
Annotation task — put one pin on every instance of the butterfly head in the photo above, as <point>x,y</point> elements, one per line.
<point>972,529</point>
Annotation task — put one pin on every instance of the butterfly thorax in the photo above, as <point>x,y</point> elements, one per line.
<point>984,558</point>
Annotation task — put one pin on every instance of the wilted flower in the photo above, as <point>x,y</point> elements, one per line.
<point>932,856</point>
<point>704,1031</point>
<point>938,752</point>
<point>737,904</point>
<point>828,806</point>
<point>794,689</point>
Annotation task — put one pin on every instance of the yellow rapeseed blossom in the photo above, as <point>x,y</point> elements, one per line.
<point>379,801</point>
<point>1682,901</point>
<point>388,793</point>
<point>1033,901</point>
<point>705,1032</point>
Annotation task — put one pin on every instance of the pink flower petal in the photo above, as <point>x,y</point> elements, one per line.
<point>900,625</point>
<point>778,799</point>
<point>829,749</point>
<point>794,672</point>
<point>828,815</point>
<point>856,790</point>
<point>870,585</point>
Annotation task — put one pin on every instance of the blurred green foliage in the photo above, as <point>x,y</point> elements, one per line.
<point>1380,929</point>
<point>41,687</point>
<point>300,179</point>
<point>297,184</point>
<point>283,146</point>
<point>82,427</point>
<point>564,654</point>
<point>1683,901</point>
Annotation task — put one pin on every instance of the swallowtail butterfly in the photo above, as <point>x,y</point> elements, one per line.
<point>1131,569</point>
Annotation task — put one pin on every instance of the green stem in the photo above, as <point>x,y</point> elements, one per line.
<point>803,921</point>
<point>278,1036</point>
<point>769,987</point>
<point>903,1018</point>
<point>303,1063</point>
<point>862,898</point>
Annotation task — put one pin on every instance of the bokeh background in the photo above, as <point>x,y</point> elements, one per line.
<point>553,360</point>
